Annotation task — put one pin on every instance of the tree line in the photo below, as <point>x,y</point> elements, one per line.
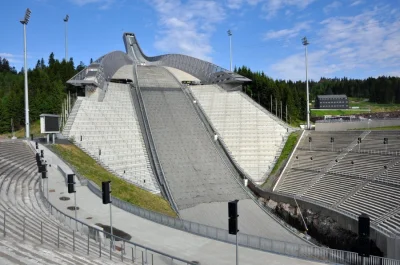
<point>46,85</point>
<point>383,90</point>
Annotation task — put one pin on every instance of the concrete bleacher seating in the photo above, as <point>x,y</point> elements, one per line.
<point>364,186</point>
<point>110,133</point>
<point>20,203</point>
<point>191,164</point>
<point>253,138</point>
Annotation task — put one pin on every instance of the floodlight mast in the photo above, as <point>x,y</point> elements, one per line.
<point>66,38</point>
<point>230,48</point>
<point>24,22</point>
<point>305,43</point>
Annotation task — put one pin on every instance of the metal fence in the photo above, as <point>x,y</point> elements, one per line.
<point>274,246</point>
<point>89,238</point>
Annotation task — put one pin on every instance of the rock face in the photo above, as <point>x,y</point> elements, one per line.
<point>322,228</point>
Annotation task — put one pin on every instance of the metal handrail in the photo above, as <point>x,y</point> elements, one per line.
<point>154,153</point>
<point>76,222</point>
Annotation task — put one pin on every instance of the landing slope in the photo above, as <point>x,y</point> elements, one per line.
<point>200,182</point>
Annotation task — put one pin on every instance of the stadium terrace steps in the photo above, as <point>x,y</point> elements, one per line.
<point>363,186</point>
<point>111,134</point>
<point>21,203</point>
<point>195,172</point>
<point>72,117</point>
<point>252,136</point>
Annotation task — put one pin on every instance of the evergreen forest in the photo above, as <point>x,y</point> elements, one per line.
<point>382,90</point>
<point>48,88</point>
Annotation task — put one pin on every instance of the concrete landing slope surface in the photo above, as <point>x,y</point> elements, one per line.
<point>200,182</point>
<point>159,237</point>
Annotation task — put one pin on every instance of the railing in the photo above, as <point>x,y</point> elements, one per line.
<point>127,249</point>
<point>153,151</point>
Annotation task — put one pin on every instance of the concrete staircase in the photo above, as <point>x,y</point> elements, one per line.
<point>29,234</point>
<point>71,118</point>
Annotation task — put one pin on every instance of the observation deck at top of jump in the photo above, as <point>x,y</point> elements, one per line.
<point>101,70</point>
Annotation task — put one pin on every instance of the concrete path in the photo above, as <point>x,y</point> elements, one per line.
<point>159,237</point>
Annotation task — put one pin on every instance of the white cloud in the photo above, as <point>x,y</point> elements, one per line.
<point>12,58</point>
<point>367,42</point>
<point>273,6</point>
<point>103,4</point>
<point>332,6</point>
<point>356,3</point>
<point>288,33</point>
<point>187,27</point>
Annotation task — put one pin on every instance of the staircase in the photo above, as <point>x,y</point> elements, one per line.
<point>71,118</point>
<point>332,164</point>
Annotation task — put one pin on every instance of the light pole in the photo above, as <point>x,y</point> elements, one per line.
<point>230,48</point>
<point>305,43</point>
<point>66,39</point>
<point>25,22</point>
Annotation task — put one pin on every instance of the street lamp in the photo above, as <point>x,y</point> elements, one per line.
<point>66,43</point>
<point>230,48</point>
<point>305,43</point>
<point>25,22</point>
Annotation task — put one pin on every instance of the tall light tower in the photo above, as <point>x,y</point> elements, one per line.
<point>66,39</point>
<point>25,22</point>
<point>305,43</point>
<point>230,48</point>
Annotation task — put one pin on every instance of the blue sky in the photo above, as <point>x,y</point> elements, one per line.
<point>353,38</point>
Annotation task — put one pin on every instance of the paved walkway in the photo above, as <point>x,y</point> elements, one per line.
<point>159,237</point>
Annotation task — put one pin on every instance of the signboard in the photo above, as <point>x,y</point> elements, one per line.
<point>49,123</point>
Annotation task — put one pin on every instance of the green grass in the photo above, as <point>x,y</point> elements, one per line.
<point>385,128</point>
<point>321,113</point>
<point>374,107</point>
<point>90,169</point>
<point>287,150</point>
<point>364,107</point>
<point>34,129</point>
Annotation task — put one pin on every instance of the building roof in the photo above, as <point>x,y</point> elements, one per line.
<point>331,96</point>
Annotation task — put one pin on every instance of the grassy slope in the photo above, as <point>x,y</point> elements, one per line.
<point>90,169</point>
<point>287,150</point>
<point>386,128</point>
<point>364,107</point>
<point>35,129</point>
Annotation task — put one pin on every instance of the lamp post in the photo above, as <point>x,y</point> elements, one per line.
<point>230,48</point>
<point>66,39</point>
<point>305,43</point>
<point>24,22</point>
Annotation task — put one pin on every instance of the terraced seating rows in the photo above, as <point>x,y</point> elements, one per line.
<point>358,182</point>
<point>20,206</point>
<point>253,138</point>
<point>109,131</point>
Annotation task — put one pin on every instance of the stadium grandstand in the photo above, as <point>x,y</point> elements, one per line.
<point>181,128</point>
<point>351,172</point>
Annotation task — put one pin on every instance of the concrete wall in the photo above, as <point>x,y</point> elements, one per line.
<point>343,126</point>
<point>390,246</point>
